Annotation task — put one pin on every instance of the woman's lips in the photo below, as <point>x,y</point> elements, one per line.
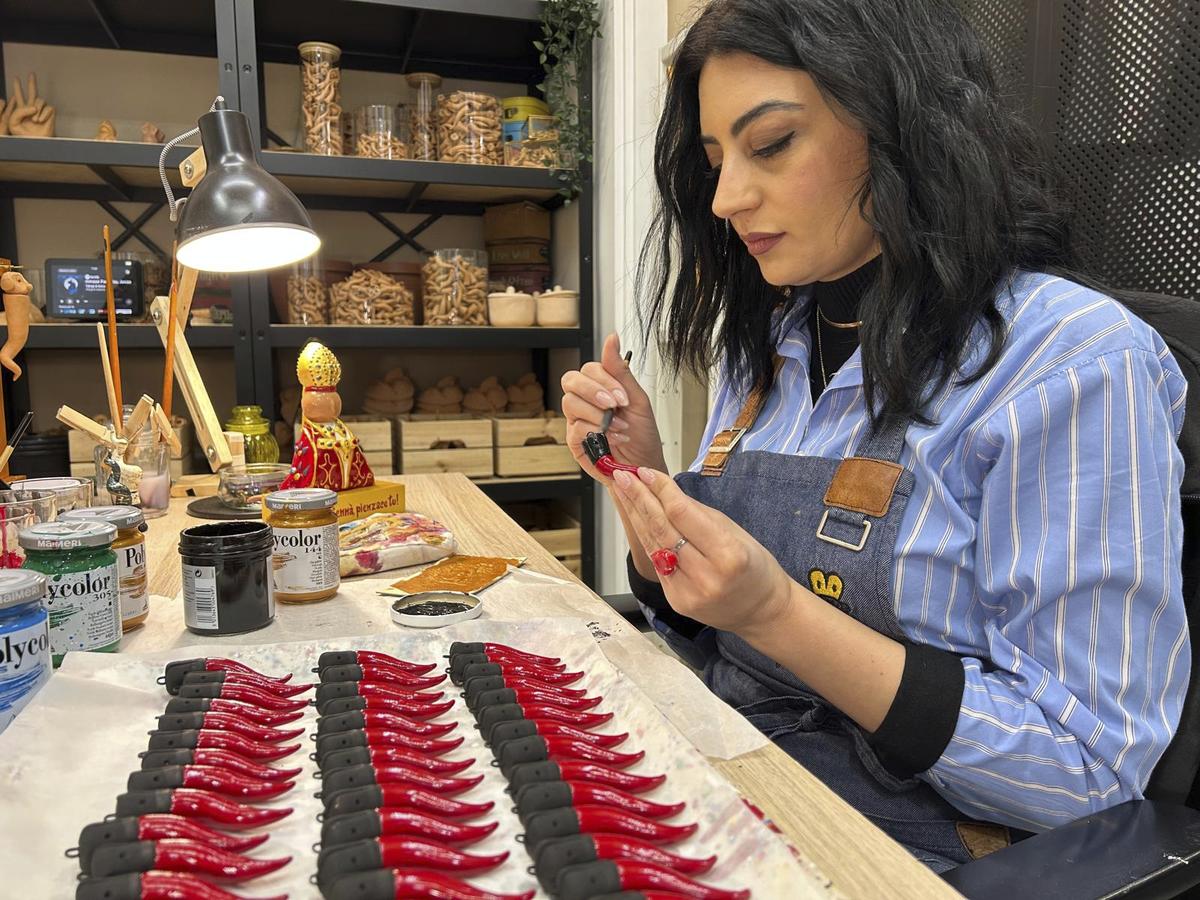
<point>759,243</point>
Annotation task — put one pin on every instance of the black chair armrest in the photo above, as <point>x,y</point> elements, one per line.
<point>1140,849</point>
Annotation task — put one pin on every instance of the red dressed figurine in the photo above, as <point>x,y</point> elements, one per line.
<point>327,453</point>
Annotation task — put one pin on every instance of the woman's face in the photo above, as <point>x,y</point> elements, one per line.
<point>788,170</point>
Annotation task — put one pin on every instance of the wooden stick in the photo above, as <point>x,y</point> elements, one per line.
<point>166,430</point>
<point>114,403</point>
<point>137,421</point>
<point>93,429</point>
<point>113,351</point>
<point>168,390</point>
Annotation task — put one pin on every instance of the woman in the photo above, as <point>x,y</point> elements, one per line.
<point>931,545</point>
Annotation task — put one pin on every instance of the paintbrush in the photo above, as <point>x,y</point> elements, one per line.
<point>18,433</point>
<point>114,358</point>
<point>606,419</point>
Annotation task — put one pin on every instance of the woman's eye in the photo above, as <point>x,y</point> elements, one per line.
<point>776,147</point>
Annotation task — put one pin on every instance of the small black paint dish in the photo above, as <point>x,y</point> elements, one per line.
<point>436,609</point>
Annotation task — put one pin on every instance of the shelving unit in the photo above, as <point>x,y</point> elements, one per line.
<point>480,40</point>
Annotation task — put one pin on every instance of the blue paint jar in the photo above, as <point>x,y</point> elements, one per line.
<point>24,640</point>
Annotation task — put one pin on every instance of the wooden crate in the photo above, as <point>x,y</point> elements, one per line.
<point>536,446</point>
<point>80,447</point>
<point>375,435</point>
<point>550,525</point>
<point>432,444</point>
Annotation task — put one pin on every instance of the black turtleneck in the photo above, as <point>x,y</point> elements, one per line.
<point>838,301</point>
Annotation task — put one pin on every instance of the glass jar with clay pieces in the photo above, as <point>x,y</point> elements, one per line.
<point>422,115</point>
<point>321,98</point>
<point>469,129</point>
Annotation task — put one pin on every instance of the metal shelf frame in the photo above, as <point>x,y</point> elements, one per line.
<point>242,35</point>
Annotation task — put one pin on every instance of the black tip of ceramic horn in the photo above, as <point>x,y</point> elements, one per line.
<point>342,740</point>
<point>157,759</point>
<point>345,779</point>
<point>120,887</point>
<point>344,859</point>
<point>112,831</point>
<point>511,731</point>
<point>178,705</point>
<point>339,705</point>
<point>475,670</point>
<point>538,797</point>
<point>533,773</point>
<point>335,690</point>
<point>460,662</point>
<point>467,647</point>
<point>551,823</point>
<point>350,721</point>
<point>511,754</point>
<point>377,884</point>
<point>352,672</point>
<point>555,855</point>
<point>585,880</point>
<point>476,686</point>
<point>491,716</point>
<point>208,690</point>
<point>359,826</point>
<point>336,658</point>
<point>173,740</point>
<point>117,859</point>
<point>354,800</point>
<point>139,803</point>
<point>216,676</point>
<point>341,759</point>
<point>496,697</point>
<point>181,722</point>
<point>174,672</point>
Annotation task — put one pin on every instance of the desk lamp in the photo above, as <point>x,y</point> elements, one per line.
<point>238,218</point>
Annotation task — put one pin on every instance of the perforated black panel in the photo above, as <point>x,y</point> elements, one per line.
<point>1006,28</point>
<point>1119,105</point>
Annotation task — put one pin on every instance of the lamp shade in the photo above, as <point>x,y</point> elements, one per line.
<point>240,218</point>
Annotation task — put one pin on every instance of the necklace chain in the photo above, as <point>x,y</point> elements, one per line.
<point>820,349</point>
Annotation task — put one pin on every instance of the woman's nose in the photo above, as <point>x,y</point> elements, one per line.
<point>734,194</point>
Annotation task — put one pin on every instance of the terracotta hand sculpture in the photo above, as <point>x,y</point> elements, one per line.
<point>444,399</point>
<point>526,396</point>
<point>107,131</point>
<point>16,313</point>
<point>30,117</point>
<point>327,453</point>
<point>487,399</point>
<point>152,134</point>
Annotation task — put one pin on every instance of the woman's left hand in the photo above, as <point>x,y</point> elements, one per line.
<point>723,577</point>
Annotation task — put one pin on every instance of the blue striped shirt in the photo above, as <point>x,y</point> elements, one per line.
<point>1042,544</point>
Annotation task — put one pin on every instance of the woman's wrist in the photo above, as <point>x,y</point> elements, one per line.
<point>781,613</point>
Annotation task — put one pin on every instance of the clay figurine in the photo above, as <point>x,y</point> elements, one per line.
<point>107,131</point>
<point>487,399</point>
<point>16,314</point>
<point>327,453</point>
<point>526,396</point>
<point>393,396</point>
<point>152,134</point>
<point>32,117</point>
<point>445,399</point>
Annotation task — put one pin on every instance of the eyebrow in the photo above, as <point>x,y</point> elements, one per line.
<point>747,117</point>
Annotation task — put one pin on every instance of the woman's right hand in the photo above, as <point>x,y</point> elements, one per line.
<point>608,384</point>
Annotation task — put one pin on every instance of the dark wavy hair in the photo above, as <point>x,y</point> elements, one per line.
<point>958,191</point>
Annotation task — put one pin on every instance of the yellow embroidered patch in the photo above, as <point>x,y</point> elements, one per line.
<point>825,585</point>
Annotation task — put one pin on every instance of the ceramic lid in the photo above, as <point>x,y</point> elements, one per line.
<point>560,291</point>
<point>511,293</point>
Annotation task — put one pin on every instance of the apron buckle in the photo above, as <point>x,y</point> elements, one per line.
<point>829,539</point>
<point>736,435</point>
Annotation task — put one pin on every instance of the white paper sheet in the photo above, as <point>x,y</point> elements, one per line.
<point>715,729</point>
<point>66,758</point>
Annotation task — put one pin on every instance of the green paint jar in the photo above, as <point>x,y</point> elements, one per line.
<point>81,583</point>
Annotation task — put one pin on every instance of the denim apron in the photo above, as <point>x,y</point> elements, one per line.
<point>833,525</point>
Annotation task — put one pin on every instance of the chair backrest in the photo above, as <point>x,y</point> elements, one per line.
<point>1178,321</point>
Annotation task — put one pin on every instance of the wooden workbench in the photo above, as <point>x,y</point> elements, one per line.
<point>858,858</point>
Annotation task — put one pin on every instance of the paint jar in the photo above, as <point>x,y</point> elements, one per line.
<point>69,493</point>
<point>227,584</point>
<point>81,583</point>
<point>130,548</point>
<point>24,640</point>
<point>305,529</point>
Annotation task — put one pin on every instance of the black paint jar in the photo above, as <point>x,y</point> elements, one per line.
<point>228,586</point>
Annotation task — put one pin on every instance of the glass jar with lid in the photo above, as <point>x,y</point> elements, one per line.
<point>379,132</point>
<point>81,583</point>
<point>321,98</point>
<point>422,111</point>
<point>261,445</point>
<point>130,549</point>
<point>305,530</point>
<point>24,630</point>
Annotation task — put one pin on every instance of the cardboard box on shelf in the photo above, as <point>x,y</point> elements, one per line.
<point>521,221</point>
<point>518,253</point>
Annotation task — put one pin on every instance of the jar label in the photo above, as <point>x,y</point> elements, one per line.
<point>131,568</point>
<point>306,559</point>
<point>200,597</point>
<point>85,610</point>
<point>24,664</point>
